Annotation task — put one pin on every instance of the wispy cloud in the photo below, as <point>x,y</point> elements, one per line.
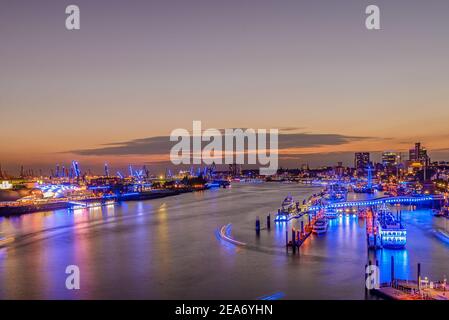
<point>162,144</point>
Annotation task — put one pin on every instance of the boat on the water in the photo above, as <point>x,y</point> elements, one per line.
<point>288,205</point>
<point>331,214</point>
<point>393,233</point>
<point>363,189</point>
<point>320,226</point>
<point>287,211</point>
<point>336,193</point>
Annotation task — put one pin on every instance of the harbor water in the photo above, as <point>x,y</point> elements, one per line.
<point>171,248</point>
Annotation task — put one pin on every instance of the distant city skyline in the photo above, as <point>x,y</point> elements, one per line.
<point>114,90</point>
<point>158,168</point>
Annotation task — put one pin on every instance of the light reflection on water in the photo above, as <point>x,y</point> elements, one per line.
<point>169,248</point>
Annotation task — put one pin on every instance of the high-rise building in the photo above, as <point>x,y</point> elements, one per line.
<point>361,160</point>
<point>419,154</point>
<point>389,158</point>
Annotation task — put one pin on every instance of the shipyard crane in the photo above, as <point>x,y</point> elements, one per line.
<point>147,172</point>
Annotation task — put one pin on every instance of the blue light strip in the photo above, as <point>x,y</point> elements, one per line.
<point>376,202</point>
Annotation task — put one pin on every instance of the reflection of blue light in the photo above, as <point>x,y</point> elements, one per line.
<point>226,244</point>
<point>281,218</point>
<point>401,264</point>
<point>99,187</point>
<point>274,296</point>
<point>441,235</point>
<point>375,202</point>
<point>213,185</point>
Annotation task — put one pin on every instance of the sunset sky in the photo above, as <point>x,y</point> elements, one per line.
<point>139,69</point>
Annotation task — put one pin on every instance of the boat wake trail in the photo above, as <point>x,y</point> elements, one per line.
<point>225,234</point>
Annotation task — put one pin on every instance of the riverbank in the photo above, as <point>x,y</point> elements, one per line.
<point>8,209</point>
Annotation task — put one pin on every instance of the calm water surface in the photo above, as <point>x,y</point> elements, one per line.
<point>169,249</point>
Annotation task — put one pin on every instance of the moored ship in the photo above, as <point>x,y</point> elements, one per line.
<point>287,211</point>
<point>15,207</point>
<point>320,226</point>
<point>393,233</point>
<point>336,193</point>
<point>331,214</point>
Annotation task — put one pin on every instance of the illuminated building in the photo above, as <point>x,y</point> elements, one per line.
<point>361,160</point>
<point>389,159</point>
<point>419,155</point>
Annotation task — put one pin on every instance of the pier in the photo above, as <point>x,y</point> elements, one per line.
<point>378,201</point>
<point>358,204</point>
<point>419,289</point>
<point>298,237</point>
